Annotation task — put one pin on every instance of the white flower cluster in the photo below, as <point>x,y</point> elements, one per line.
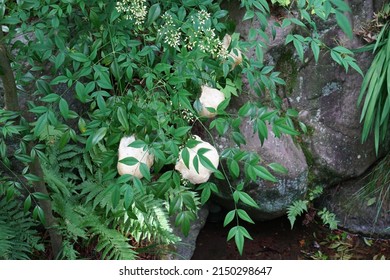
<point>170,32</point>
<point>133,10</point>
<point>200,18</point>
<point>204,36</point>
<point>201,35</point>
<point>188,116</point>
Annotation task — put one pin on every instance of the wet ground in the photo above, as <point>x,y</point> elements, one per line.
<point>274,240</point>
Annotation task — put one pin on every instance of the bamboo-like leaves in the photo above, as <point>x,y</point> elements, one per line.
<point>375,90</point>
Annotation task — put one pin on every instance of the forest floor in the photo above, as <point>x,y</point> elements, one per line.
<point>275,240</point>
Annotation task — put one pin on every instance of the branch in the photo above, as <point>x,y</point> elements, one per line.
<point>55,237</point>
<point>7,75</point>
<point>11,103</point>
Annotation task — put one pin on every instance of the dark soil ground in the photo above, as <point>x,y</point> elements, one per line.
<point>274,240</point>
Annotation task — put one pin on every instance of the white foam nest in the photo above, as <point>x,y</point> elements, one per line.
<point>125,151</point>
<point>190,173</point>
<point>235,53</point>
<point>210,98</point>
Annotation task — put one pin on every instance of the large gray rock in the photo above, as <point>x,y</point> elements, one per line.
<point>357,211</point>
<point>272,198</point>
<point>324,93</point>
<point>327,98</point>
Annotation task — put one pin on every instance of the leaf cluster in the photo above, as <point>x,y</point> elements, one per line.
<point>375,91</point>
<point>97,75</point>
<point>298,207</point>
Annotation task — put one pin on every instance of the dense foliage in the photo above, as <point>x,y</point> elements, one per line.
<point>95,71</point>
<point>375,90</point>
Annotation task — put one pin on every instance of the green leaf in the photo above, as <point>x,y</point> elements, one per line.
<point>27,203</point>
<point>244,111</point>
<point>38,213</point>
<point>145,170</point>
<point>52,97</point>
<point>297,22</point>
<point>80,57</point>
<point>371,201</point>
<point>40,196</point>
<point>239,233</point>
<point>43,87</point>
<point>299,48</point>
<point>181,131</point>
<point>129,196</point>
<point>185,155</point>
<point>137,144</point>
<point>205,195</point>
<point>295,210</point>
<point>341,5</point>
<point>64,108</point>
<point>9,20</point>
<point>262,130</point>
<point>232,232</point>
<point>38,110</point>
<point>206,162</point>
<point>195,162</point>
<point>285,129</point>
<point>238,138</point>
<point>122,117</point>
<point>278,168</point>
<point>234,168</point>
<point>353,64</point>
<point>154,13</point>
<point>344,24</point>
<point>263,173</point>
<point>245,198</point>
<point>99,135</point>
<point>244,216</point>
<point>316,50</point>
<point>248,15</point>
<point>32,178</point>
<point>129,161</point>
<point>184,219</point>
<point>115,196</point>
<point>104,82</point>
<point>59,79</point>
<point>229,217</point>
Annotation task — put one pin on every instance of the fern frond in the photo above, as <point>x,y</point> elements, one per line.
<point>328,218</point>
<point>111,243</point>
<point>152,221</point>
<point>6,236</point>
<point>295,210</point>
<point>18,235</point>
<point>72,220</point>
<point>68,252</point>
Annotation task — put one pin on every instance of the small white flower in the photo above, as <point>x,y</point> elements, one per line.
<point>133,10</point>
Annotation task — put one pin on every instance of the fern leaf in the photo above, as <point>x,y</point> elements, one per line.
<point>295,210</point>
<point>18,235</point>
<point>111,243</point>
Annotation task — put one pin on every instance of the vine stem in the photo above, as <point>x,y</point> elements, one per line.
<point>7,75</point>
<point>12,103</point>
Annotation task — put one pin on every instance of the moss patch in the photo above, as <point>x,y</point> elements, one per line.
<point>289,69</point>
